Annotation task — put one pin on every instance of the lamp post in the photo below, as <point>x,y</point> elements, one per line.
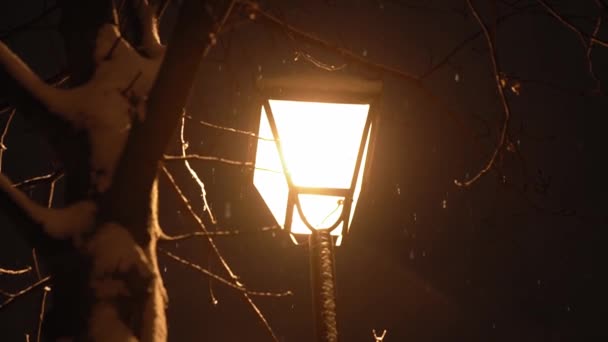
<point>314,137</point>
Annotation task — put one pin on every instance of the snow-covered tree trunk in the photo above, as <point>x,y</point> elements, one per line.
<point>110,127</point>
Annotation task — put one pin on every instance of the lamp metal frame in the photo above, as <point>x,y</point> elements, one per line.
<point>366,92</point>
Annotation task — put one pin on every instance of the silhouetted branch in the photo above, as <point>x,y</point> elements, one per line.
<point>165,237</point>
<point>3,136</point>
<point>188,157</point>
<point>345,53</point>
<point>15,272</point>
<point>506,108</point>
<point>36,264</point>
<point>215,249</point>
<point>184,147</point>
<point>13,297</point>
<point>562,89</point>
<point>45,292</point>
<point>571,26</point>
<point>22,27</point>
<point>596,30</point>
<point>35,181</point>
<point>226,282</point>
<point>228,129</point>
<point>197,218</point>
<point>445,60</point>
<point>421,6</point>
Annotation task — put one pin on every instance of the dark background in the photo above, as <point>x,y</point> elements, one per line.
<point>518,256</point>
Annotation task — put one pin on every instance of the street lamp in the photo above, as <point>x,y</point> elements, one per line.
<point>314,137</point>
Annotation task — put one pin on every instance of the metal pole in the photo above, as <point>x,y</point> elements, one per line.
<point>323,286</point>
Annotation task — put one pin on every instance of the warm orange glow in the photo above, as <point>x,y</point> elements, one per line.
<point>320,142</point>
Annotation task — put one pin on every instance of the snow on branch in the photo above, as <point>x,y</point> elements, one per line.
<point>151,44</point>
<point>105,106</point>
<point>123,274</point>
<point>57,223</point>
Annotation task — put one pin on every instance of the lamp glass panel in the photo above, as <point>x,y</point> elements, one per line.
<point>359,181</point>
<point>320,211</point>
<point>320,141</point>
<point>268,175</point>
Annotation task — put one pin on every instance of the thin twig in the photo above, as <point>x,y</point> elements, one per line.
<point>345,53</point>
<point>226,282</point>
<point>165,237</point>
<point>187,157</point>
<point>15,272</point>
<point>215,249</point>
<point>36,285</point>
<point>45,292</point>
<point>228,129</point>
<point>184,147</point>
<point>5,34</point>
<point>596,30</point>
<point>571,26</point>
<point>352,56</point>
<point>51,197</point>
<point>445,60</point>
<point>197,218</point>
<point>506,108</point>
<point>35,181</point>
<point>161,7</point>
<point>36,265</point>
<point>3,136</point>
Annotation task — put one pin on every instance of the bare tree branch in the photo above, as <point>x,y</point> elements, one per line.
<point>45,292</point>
<point>180,237</point>
<point>3,136</point>
<point>42,282</point>
<point>188,157</point>
<point>237,286</point>
<point>38,180</point>
<point>446,58</point>
<point>506,108</point>
<point>571,26</point>
<point>345,53</point>
<point>27,25</point>
<point>15,272</point>
<point>215,249</point>
<point>228,129</point>
<point>193,174</point>
<point>596,30</point>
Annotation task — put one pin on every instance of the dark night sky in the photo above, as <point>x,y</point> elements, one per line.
<point>516,257</point>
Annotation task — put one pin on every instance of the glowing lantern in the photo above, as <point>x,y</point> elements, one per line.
<point>314,139</point>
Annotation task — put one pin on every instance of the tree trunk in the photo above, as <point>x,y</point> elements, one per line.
<point>106,283</point>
